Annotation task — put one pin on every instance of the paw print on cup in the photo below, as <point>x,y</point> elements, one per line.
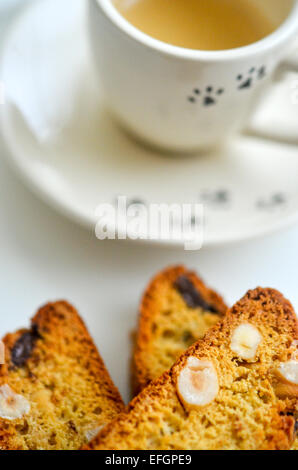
<point>208,97</point>
<point>247,80</point>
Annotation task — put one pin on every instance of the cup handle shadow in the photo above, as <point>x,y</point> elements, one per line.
<point>288,65</point>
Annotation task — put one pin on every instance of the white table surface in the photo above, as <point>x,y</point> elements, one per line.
<point>46,257</point>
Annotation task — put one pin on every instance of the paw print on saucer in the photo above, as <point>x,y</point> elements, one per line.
<point>247,81</point>
<point>215,198</point>
<point>208,97</point>
<point>274,201</point>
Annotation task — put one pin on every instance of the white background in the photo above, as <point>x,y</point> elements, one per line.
<point>45,257</point>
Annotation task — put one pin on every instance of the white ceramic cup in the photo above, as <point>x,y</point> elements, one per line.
<point>183,99</point>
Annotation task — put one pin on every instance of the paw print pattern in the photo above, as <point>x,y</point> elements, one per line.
<point>274,201</point>
<point>246,81</point>
<point>208,97</point>
<point>218,198</point>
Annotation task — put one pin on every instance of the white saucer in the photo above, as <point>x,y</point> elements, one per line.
<point>249,189</point>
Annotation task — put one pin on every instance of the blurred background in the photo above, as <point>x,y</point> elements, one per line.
<point>47,257</point>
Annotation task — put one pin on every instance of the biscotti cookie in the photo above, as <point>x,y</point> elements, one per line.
<point>176,310</point>
<point>55,392</point>
<point>234,389</point>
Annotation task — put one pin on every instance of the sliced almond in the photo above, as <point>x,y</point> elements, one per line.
<point>197,383</point>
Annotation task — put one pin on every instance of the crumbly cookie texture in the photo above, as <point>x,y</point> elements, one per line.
<point>176,310</point>
<point>246,412</point>
<point>55,392</point>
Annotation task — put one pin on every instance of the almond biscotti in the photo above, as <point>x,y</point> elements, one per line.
<point>176,310</point>
<point>55,392</point>
<point>234,389</point>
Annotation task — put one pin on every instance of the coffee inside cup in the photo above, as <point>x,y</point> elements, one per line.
<point>199,24</point>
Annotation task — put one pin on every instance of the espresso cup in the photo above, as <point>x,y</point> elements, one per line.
<point>184,99</point>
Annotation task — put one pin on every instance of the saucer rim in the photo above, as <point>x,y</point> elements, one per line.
<point>18,164</point>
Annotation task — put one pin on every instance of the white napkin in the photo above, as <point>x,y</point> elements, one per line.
<point>43,70</point>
